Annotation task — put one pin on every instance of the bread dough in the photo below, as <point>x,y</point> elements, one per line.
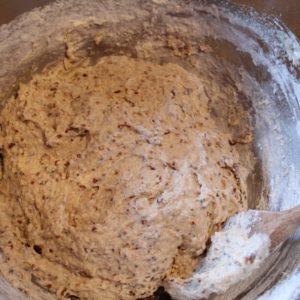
<point>114,177</point>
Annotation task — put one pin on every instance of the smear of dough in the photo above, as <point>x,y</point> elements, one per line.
<point>114,177</point>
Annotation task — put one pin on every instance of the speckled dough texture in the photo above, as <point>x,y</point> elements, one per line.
<point>114,177</point>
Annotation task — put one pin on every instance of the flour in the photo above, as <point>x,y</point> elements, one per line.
<point>232,257</point>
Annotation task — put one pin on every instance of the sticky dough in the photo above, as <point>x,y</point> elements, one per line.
<point>114,177</point>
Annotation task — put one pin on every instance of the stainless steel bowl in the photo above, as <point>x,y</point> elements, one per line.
<point>261,57</point>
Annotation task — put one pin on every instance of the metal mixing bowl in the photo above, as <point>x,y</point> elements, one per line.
<point>261,57</point>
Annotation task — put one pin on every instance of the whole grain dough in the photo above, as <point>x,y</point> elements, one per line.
<point>114,177</point>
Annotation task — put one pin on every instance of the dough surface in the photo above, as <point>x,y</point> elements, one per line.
<point>114,177</point>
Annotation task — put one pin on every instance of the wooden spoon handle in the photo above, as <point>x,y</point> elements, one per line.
<point>294,215</point>
<point>283,225</point>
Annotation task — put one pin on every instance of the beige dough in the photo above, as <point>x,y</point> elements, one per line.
<point>114,177</point>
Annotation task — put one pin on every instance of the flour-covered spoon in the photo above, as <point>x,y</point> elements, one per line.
<point>247,239</point>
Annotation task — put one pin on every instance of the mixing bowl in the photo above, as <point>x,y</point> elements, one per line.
<point>254,56</point>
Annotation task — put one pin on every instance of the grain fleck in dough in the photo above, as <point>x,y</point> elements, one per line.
<point>114,178</point>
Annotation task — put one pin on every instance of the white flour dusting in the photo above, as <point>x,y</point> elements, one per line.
<point>288,289</point>
<point>232,257</point>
